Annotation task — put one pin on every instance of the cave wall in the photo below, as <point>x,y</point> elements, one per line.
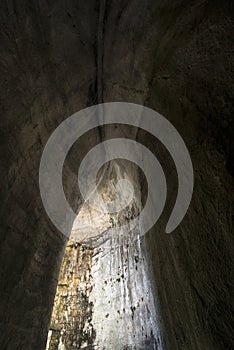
<point>173,56</point>
<point>105,299</point>
<point>71,323</point>
<point>125,313</point>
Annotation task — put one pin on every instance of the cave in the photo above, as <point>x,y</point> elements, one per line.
<point>99,283</point>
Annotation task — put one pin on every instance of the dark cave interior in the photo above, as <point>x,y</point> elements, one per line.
<point>164,292</point>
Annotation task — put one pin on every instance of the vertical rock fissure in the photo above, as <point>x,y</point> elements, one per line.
<point>99,60</point>
<point>100,51</point>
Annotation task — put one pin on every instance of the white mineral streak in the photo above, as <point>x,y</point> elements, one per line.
<point>61,345</point>
<point>48,339</point>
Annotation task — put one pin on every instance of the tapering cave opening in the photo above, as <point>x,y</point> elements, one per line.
<point>105,298</point>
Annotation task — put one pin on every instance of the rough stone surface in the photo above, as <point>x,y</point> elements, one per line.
<point>125,312</point>
<point>71,323</point>
<point>105,302</point>
<point>173,56</point>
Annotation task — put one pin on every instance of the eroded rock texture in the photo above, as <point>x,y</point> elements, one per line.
<point>125,313</point>
<point>71,323</point>
<point>173,56</point>
<point>106,302</point>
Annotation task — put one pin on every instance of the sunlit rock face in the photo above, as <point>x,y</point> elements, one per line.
<point>125,312</point>
<point>89,224</point>
<point>116,202</point>
<point>105,297</point>
<point>71,324</point>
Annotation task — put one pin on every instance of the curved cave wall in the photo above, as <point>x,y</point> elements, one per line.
<point>172,56</point>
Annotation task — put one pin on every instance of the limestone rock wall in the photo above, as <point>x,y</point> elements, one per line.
<point>126,311</point>
<point>176,57</point>
<point>105,299</point>
<point>71,323</point>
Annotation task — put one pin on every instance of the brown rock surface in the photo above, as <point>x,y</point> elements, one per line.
<point>175,57</point>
